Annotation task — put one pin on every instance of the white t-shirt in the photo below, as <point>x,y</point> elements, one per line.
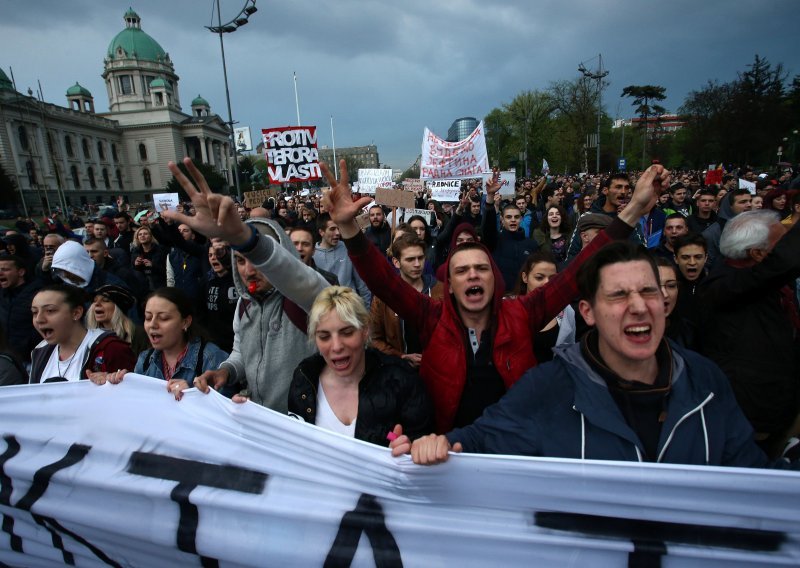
<point>327,419</point>
<point>69,368</point>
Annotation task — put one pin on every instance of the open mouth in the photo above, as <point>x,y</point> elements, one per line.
<point>638,332</point>
<point>474,291</point>
<point>46,333</point>
<point>340,363</point>
<point>154,338</point>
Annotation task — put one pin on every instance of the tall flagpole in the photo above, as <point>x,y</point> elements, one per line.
<point>335,164</point>
<point>296,99</point>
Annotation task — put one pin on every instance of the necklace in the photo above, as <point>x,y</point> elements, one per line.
<point>69,360</point>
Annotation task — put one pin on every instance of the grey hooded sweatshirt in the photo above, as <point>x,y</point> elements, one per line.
<point>267,346</point>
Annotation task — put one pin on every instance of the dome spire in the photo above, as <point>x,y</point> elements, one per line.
<point>132,19</point>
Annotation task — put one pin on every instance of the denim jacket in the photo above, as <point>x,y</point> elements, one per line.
<point>150,362</point>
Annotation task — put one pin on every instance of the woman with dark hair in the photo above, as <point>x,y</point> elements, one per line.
<point>537,270</point>
<point>778,200</point>
<point>178,352</point>
<point>351,388</point>
<point>420,226</point>
<point>68,351</point>
<point>553,235</point>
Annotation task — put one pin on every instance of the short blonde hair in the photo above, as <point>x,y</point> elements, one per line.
<point>345,301</point>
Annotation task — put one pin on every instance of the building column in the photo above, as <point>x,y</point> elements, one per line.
<point>203,152</point>
<point>211,158</point>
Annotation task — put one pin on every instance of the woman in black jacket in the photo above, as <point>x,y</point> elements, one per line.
<point>350,388</point>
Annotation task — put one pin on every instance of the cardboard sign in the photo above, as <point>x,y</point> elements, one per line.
<point>442,159</point>
<point>394,197</point>
<point>257,198</point>
<point>404,215</point>
<point>413,184</point>
<point>371,179</point>
<point>445,190</point>
<point>291,154</point>
<point>165,202</point>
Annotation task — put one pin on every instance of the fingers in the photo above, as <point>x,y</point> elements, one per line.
<point>201,383</point>
<point>344,177</point>
<point>240,399</point>
<point>429,450</point>
<point>363,202</point>
<point>196,176</point>
<point>116,378</point>
<point>179,218</point>
<point>400,446</point>
<point>458,448</point>
<point>328,174</point>
<point>188,186</point>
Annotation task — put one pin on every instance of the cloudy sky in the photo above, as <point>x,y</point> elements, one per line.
<point>385,70</point>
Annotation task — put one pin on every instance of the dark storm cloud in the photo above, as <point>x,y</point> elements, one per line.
<point>385,70</point>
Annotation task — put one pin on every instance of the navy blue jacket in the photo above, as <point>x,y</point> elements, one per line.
<point>563,409</point>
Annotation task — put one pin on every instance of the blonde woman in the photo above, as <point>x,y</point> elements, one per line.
<point>150,258</point>
<point>108,309</point>
<point>350,388</point>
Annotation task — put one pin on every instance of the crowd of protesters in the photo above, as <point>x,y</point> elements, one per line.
<point>651,316</point>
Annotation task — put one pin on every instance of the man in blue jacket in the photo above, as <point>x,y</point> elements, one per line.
<point>623,393</point>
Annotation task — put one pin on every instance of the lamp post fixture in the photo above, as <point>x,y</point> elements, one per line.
<point>238,21</point>
<point>597,76</point>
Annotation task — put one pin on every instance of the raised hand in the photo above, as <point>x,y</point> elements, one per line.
<point>215,215</point>
<point>645,195</point>
<point>339,202</point>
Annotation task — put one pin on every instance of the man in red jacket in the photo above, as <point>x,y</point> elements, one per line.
<point>475,343</point>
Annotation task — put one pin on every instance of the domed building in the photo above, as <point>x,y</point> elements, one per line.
<point>72,156</point>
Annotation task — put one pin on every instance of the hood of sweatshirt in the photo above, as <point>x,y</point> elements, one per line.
<point>271,229</point>
<point>73,258</point>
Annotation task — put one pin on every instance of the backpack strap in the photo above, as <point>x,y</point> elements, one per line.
<point>296,315</point>
<point>198,367</point>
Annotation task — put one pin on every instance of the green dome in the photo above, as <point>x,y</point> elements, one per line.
<point>134,42</point>
<point>76,89</point>
<point>160,83</point>
<point>5,82</point>
<point>200,101</point>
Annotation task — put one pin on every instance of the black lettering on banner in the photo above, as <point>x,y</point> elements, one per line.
<point>41,481</point>
<point>649,537</point>
<point>367,518</point>
<point>190,474</point>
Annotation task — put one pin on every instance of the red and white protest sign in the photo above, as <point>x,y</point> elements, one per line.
<point>291,154</point>
<point>442,159</point>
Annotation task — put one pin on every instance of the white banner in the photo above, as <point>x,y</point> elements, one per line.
<point>442,159</point>
<point>748,185</point>
<point>445,190</point>
<point>370,179</point>
<point>123,475</point>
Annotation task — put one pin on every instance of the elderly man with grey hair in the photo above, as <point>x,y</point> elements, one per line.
<point>750,321</point>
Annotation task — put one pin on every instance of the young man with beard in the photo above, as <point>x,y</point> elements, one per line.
<point>475,344</point>
<point>379,232</point>
<point>623,393</point>
<point>390,334</point>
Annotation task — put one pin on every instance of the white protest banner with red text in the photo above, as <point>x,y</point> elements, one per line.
<point>291,154</point>
<point>442,159</point>
<point>371,179</point>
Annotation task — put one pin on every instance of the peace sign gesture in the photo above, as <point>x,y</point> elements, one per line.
<point>215,215</point>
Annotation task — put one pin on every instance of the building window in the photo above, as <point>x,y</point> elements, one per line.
<point>23,137</point>
<point>87,153</point>
<point>31,172</point>
<point>114,153</point>
<point>143,152</point>
<point>119,179</point>
<point>148,182</point>
<point>101,153</point>
<point>106,179</point>
<point>92,182</point>
<point>75,179</point>
<point>68,146</point>
<point>126,85</point>
<point>58,176</point>
<point>50,143</point>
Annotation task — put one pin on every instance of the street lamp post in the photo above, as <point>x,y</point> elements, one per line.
<point>240,20</point>
<point>598,76</point>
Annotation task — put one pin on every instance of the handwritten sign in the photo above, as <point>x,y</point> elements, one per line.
<point>165,202</point>
<point>445,190</point>
<point>371,179</point>
<point>291,153</point>
<point>257,198</point>
<point>442,159</point>
<point>413,184</point>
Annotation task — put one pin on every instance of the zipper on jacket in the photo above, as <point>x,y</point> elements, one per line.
<point>679,422</point>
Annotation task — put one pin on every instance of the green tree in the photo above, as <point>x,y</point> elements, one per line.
<point>530,113</point>
<point>575,106</point>
<point>246,171</point>
<point>216,182</point>
<point>412,171</point>
<point>643,99</point>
